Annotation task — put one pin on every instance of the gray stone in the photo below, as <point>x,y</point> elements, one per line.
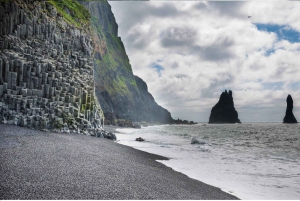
<point>13,79</point>
<point>8,80</point>
<point>34,83</point>
<point>1,70</point>
<point>29,92</point>
<point>1,90</point>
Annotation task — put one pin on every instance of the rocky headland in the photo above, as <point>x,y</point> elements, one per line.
<point>64,68</point>
<point>123,96</point>
<point>289,116</point>
<point>224,111</point>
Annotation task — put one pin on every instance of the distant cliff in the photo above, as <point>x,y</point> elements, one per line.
<point>121,94</point>
<point>224,111</point>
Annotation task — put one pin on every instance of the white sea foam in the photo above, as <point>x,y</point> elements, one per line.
<point>251,161</point>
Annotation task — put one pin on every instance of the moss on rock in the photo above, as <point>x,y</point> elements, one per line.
<point>72,12</point>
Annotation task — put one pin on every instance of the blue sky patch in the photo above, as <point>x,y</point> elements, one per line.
<point>295,86</point>
<point>272,85</point>
<point>283,32</point>
<point>157,67</point>
<point>269,52</point>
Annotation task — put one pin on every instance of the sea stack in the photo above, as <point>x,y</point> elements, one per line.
<point>289,116</point>
<point>224,111</point>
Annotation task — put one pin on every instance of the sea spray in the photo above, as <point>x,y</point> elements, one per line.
<point>196,141</point>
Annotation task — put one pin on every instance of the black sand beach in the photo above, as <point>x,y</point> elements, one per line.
<point>46,165</point>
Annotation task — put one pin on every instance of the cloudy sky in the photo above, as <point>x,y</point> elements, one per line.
<point>188,52</point>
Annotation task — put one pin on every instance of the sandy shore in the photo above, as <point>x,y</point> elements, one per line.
<point>40,165</point>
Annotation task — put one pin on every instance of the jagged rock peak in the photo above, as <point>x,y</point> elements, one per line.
<point>289,116</point>
<point>224,111</point>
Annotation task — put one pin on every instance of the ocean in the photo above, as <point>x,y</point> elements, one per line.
<point>248,160</point>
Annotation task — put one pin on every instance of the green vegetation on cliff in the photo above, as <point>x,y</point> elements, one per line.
<point>113,68</point>
<point>122,95</point>
<point>72,11</point>
<point>97,27</point>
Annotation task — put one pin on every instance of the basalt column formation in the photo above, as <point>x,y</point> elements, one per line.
<point>46,70</point>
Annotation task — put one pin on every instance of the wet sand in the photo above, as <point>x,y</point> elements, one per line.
<point>47,165</point>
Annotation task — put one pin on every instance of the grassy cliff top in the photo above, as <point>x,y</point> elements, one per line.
<point>73,12</point>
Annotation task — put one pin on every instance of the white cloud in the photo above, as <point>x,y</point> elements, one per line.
<point>206,47</point>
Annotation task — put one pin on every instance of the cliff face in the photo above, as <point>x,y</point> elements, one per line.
<point>120,92</point>
<point>51,60</point>
<point>148,109</point>
<point>224,111</point>
<point>289,116</point>
<point>46,67</point>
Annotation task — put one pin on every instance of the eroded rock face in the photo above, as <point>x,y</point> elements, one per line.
<point>46,70</point>
<point>289,116</point>
<point>119,91</point>
<point>224,111</point>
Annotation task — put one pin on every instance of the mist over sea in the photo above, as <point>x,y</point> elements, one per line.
<point>249,160</point>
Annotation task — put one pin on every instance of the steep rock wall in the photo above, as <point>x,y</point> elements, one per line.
<point>118,90</point>
<point>148,108</point>
<point>46,70</point>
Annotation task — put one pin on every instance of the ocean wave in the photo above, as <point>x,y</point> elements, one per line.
<point>261,161</point>
<point>196,141</point>
<point>125,130</point>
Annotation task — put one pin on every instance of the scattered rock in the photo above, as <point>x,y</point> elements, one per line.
<point>196,141</point>
<point>186,122</point>
<point>139,139</point>
<point>111,136</point>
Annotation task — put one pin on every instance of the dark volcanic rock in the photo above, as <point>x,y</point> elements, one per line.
<point>111,136</point>
<point>139,139</point>
<point>47,68</point>
<point>224,111</point>
<point>186,122</point>
<point>289,116</point>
